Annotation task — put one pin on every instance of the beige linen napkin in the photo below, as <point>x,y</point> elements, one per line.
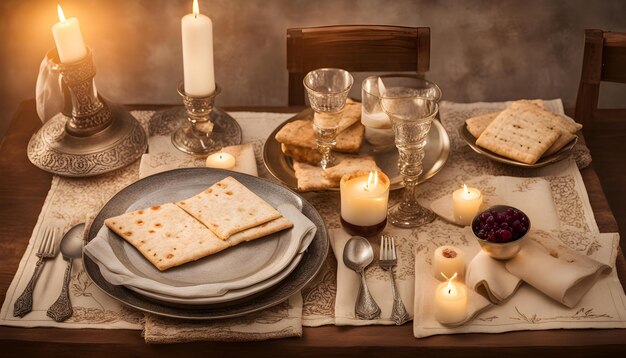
<point>531,195</point>
<point>280,321</point>
<point>377,280</point>
<point>164,156</point>
<point>117,273</point>
<point>558,272</point>
<point>425,292</point>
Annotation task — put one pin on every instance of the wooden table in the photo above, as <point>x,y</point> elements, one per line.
<point>23,188</point>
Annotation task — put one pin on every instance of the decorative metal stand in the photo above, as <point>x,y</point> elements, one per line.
<point>199,128</point>
<point>90,137</point>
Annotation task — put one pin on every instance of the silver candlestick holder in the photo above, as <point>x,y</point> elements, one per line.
<point>199,128</point>
<point>90,136</point>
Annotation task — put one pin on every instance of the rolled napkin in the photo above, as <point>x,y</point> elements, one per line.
<point>377,280</point>
<point>490,278</point>
<point>553,269</point>
<point>560,273</point>
<point>117,273</point>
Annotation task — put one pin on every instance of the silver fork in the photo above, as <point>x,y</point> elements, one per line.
<point>387,260</point>
<point>24,303</point>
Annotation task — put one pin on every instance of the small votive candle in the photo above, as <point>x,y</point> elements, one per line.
<point>364,199</point>
<point>466,204</point>
<point>220,160</point>
<point>448,260</point>
<point>450,302</point>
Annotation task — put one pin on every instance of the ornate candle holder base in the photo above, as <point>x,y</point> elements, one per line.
<point>90,137</point>
<point>415,217</point>
<point>55,150</point>
<point>199,128</point>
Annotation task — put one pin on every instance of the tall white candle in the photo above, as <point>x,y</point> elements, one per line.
<point>199,74</point>
<point>68,38</point>
<point>450,302</point>
<point>364,198</point>
<point>465,204</point>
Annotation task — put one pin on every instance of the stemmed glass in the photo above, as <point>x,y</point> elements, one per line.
<point>411,110</point>
<point>327,90</point>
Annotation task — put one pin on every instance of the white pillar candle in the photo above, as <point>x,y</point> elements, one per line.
<point>364,198</point>
<point>450,302</point>
<point>68,38</point>
<point>197,32</point>
<point>378,120</point>
<point>448,260</point>
<point>465,204</point>
<point>220,160</point>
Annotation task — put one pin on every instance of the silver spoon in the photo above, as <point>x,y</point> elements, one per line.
<point>357,255</point>
<point>71,248</point>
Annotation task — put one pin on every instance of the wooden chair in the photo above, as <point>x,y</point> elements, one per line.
<point>355,48</point>
<point>604,60</point>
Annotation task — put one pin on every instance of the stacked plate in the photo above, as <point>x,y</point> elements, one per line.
<point>236,281</point>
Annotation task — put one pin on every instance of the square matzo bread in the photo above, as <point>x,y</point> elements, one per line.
<point>228,207</point>
<point>519,133</point>
<point>166,235</point>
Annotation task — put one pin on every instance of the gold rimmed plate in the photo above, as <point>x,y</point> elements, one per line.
<point>437,152</point>
<point>543,161</point>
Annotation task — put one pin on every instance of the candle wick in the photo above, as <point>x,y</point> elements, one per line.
<point>195,16</point>
<point>449,291</point>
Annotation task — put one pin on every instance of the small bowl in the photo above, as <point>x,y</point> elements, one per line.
<point>500,250</point>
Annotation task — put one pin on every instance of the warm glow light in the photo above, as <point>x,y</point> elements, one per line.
<point>61,14</point>
<point>196,8</point>
<point>450,287</point>
<point>372,180</point>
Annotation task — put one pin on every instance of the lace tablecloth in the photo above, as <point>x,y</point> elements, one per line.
<point>70,201</point>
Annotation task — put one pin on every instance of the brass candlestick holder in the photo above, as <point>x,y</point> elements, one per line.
<point>199,128</point>
<point>90,136</point>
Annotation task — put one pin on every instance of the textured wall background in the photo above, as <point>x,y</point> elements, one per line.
<point>482,50</point>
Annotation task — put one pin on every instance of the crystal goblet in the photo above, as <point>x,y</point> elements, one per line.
<point>327,90</point>
<point>411,110</point>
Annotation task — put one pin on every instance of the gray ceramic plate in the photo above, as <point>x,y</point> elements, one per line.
<point>543,161</point>
<point>436,155</point>
<point>231,295</point>
<point>275,194</point>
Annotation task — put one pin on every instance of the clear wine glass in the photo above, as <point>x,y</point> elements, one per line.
<point>411,110</point>
<point>327,90</point>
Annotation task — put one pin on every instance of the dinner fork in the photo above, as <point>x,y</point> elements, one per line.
<point>387,260</point>
<point>24,303</point>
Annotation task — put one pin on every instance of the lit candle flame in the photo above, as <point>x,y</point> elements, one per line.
<point>465,190</point>
<point>196,8</point>
<point>450,287</point>
<point>61,14</point>
<point>372,180</point>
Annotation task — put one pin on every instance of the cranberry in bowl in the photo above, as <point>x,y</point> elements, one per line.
<point>501,230</point>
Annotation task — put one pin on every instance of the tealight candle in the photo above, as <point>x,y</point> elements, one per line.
<point>198,70</point>
<point>448,260</point>
<point>364,199</point>
<point>450,302</point>
<point>68,38</point>
<point>220,160</point>
<point>465,204</point>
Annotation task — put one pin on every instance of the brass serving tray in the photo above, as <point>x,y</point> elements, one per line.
<point>436,154</point>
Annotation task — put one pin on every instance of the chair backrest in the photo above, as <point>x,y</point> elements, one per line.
<point>604,59</point>
<point>355,48</point>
